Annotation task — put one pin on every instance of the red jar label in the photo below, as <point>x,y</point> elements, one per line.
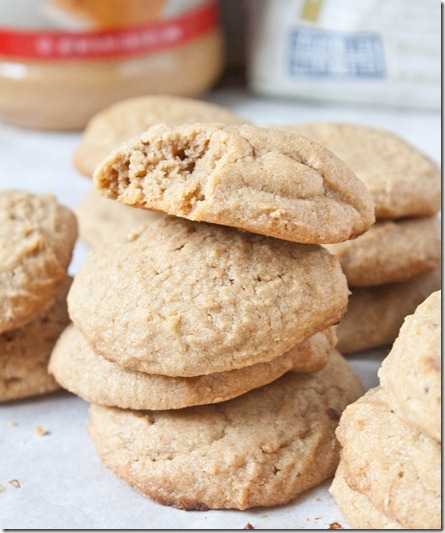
<point>110,43</point>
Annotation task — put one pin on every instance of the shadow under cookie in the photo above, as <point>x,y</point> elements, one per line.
<point>103,221</point>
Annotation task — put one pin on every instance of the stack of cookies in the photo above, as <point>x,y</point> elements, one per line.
<point>394,266</point>
<point>184,332</point>
<point>37,237</point>
<point>102,221</point>
<point>390,471</point>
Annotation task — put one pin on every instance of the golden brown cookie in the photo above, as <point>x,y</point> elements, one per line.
<point>263,448</point>
<point>77,368</point>
<point>261,180</point>
<point>391,251</point>
<point>397,467</point>
<point>412,371</point>
<point>129,118</point>
<point>403,181</point>
<point>180,298</point>
<point>356,507</point>
<point>102,221</point>
<point>37,237</point>
<point>25,351</point>
<point>375,314</point>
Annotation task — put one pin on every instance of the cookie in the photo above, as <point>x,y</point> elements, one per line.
<point>37,236</point>
<point>359,512</point>
<point>403,181</point>
<point>391,251</point>
<point>394,465</point>
<point>375,314</point>
<point>184,299</point>
<point>102,221</point>
<point>109,128</point>
<point>412,370</point>
<point>263,448</point>
<point>261,180</point>
<point>77,368</point>
<point>25,351</point>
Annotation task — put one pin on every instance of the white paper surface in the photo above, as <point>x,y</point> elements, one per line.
<point>60,482</point>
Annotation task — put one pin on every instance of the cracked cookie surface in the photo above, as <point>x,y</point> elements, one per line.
<point>263,448</point>
<point>356,507</point>
<point>37,237</point>
<point>260,180</point>
<point>182,298</point>
<point>394,464</point>
<point>412,371</point>
<point>403,181</point>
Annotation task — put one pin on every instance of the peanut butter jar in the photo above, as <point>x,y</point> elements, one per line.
<point>61,61</point>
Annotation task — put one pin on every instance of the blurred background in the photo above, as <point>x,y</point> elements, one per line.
<point>64,60</point>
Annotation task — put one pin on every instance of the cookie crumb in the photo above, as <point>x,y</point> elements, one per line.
<point>248,526</point>
<point>15,483</point>
<point>335,525</point>
<point>41,432</point>
<point>2,489</point>
<point>11,423</point>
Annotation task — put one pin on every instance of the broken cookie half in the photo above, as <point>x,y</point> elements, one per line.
<point>261,180</point>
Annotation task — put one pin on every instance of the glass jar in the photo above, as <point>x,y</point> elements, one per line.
<point>61,61</point>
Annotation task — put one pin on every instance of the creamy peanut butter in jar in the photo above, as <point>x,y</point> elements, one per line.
<point>61,61</point>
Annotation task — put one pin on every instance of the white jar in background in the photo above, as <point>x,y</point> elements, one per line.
<point>61,61</point>
<point>370,51</point>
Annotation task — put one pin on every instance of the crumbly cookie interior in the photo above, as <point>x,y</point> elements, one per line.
<point>173,166</point>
